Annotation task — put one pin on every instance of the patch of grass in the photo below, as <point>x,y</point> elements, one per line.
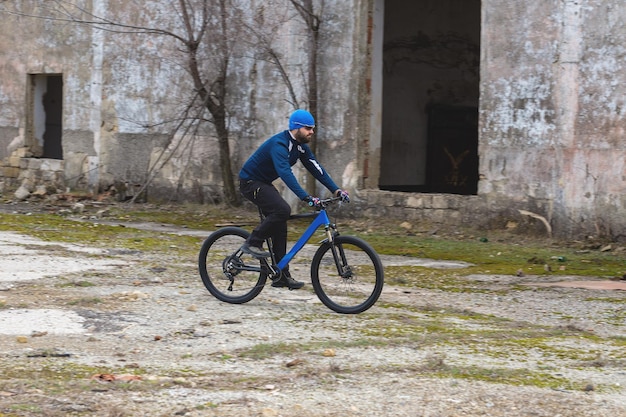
<point>85,301</point>
<point>619,340</point>
<point>616,317</point>
<point>428,278</point>
<point>193,216</point>
<point>269,350</point>
<point>614,300</point>
<point>80,284</point>
<point>50,227</point>
<point>502,257</point>
<point>53,369</point>
<point>510,376</point>
<point>494,256</point>
<point>25,407</point>
<point>266,350</point>
<point>493,338</point>
<point>206,405</point>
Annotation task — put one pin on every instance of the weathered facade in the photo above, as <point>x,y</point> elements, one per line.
<point>552,112</point>
<point>452,111</point>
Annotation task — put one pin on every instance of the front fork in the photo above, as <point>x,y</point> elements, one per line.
<point>343,269</point>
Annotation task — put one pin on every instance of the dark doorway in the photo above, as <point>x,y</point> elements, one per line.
<point>48,114</point>
<point>430,82</point>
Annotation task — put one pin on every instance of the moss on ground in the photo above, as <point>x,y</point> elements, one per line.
<point>491,337</point>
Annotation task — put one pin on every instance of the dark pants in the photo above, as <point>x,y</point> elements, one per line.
<point>276,212</point>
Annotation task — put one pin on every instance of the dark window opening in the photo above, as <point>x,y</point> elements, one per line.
<point>431,63</point>
<point>47,108</point>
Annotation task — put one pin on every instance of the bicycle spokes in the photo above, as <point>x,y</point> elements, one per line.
<point>347,275</point>
<point>228,274</point>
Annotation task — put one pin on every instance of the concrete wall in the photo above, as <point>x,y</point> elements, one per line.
<point>551,106</point>
<point>552,112</point>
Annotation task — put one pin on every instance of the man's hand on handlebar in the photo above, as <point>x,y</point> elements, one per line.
<point>343,195</point>
<point>313,201</point>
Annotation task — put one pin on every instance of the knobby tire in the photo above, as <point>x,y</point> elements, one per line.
<point>215,253</point>
<point>362,284</point>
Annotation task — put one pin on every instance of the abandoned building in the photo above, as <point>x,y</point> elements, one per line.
<point>455,111</point>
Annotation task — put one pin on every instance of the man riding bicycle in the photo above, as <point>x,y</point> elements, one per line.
<point>272,160</point>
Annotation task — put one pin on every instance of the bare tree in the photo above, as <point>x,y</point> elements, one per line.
<point>312,21</point>
<point>264,42</point>
<point>212,36</point>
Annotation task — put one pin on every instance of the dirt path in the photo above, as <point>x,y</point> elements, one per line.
<point>71,313</point>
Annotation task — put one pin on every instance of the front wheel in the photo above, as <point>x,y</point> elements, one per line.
<point>347,275</point>
<point>230,276</point>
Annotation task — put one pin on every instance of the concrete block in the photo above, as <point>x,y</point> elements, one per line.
<point>10,172</point>
<point>22,152</point>
<point>415,202</point>
<point>34,163</point>
<point>414,216</point>
<point>14,161</point>
<point>454,216</point>
<point>439,216</point>
<point>440,201</point>
<point>427,201</point>
<point>52,164</point>
<point>25,173</point>
<point>48,176</point>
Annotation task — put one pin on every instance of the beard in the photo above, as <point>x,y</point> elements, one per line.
<point>303,137</point>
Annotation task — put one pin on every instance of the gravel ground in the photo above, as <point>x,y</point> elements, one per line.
<point>172,349</point>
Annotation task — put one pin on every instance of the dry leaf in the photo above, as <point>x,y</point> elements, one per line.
<point>294,363</point>
<point>104,377</point>
<point>111,377</point>
<point>329,353</point>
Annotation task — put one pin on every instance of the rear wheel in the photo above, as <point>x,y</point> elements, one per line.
<point>347,275</point>
<point>225,271</point>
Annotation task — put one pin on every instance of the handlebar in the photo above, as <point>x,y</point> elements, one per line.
<point>323,204</point>
<point>327,202</point>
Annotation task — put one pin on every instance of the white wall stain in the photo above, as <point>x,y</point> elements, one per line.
<point>522,115</point>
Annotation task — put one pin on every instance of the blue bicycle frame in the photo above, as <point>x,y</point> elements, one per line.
<point>320,220</point>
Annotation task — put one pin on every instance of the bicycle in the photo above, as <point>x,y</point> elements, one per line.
<point>346,272</point>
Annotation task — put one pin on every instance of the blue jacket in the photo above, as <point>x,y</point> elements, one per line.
<point>274,159</point>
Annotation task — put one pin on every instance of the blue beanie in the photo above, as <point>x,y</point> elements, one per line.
<point>301,118</point>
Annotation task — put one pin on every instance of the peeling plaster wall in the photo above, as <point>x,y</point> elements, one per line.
<point>120,91</point>
<point>551,106</point>
<point>552,112</point>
